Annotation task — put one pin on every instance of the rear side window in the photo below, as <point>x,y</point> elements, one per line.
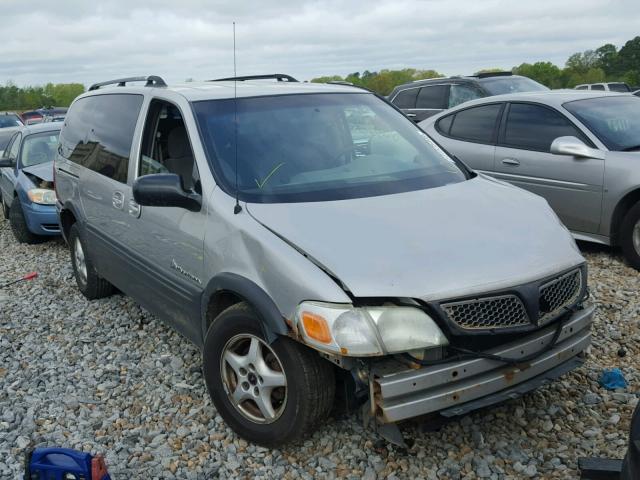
<point>476,124</point>
<point>434,97</point>
<point>533,127</point>
<point>582,87</point>
<point>98,132</point>
<point>444,124</point>
<point>406,98</point>
<point>597,87</point>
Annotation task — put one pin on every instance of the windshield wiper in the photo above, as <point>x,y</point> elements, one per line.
<point>630,149</point>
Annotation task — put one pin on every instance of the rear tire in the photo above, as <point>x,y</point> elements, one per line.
<point>90,284</point>
<point>234,379</point>
<point>19,224</point>
<point>630,236</point>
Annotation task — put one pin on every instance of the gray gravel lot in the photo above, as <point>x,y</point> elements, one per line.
<point>106,376</point>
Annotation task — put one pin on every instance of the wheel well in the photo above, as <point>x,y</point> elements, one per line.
<point>67,219</point>
<point>624,205</point>
<point>219,302</point>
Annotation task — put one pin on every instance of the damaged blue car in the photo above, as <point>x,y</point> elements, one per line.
<point>26,182</point>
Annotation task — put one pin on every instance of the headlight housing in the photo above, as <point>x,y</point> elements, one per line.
<point>43,196</point>
<point>367,331</point>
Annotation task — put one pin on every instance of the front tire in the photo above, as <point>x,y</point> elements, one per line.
<point>630,236</point>
<point>90,284</point>
<point>270,394</point>
<point>19,224</point>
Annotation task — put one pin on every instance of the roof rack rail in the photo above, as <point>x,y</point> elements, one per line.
<point>281,77</point>
<point>493,74</point>
<point>152,81</point>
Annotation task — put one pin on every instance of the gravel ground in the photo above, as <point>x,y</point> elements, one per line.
<point>106,376</point>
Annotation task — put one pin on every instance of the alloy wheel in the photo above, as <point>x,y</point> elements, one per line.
<point>636,237</point>
<point>253,378</point>
<point>81,265</point>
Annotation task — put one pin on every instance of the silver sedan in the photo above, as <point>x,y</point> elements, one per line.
<point>578,150</point>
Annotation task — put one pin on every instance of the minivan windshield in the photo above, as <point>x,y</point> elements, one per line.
<point>615,120</point>
<point>318,147</point>
<point>502,85</point>
<point>39,148</point>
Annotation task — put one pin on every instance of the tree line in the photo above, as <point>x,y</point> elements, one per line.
<point>17,98</point>
<point>603,64</point>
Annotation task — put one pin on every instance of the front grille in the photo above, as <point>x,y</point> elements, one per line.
<point>509,311</point>
<point>495,312</point>
<point>559,293</point>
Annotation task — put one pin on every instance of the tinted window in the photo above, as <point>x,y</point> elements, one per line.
<point>433,97</point>
<point>597,87</point>
<point>476,124</point>
<point>98,132</point>
<point>298,148</point>
<point>582,87</point>
<point>444,124</point>
<point>619,87</point>
<point>406,98</point>
<point>532,127</point>
<point>463,93</point>
<point>615,120</point>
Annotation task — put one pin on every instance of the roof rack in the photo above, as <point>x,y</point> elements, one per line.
<point>152,81</point>
<point>281,77</point>
<point>493,74</point>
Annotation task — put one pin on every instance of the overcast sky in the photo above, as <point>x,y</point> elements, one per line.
<point>87,41</point>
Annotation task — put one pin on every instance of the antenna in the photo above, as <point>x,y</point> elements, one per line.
<point>237,209</point>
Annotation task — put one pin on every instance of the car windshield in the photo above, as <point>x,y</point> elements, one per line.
<point>502,85</point>
<point>314,147</point>
<point>615,120</point>
<point>39,148</point>
<point>619,87</point>
<point>10,121</point>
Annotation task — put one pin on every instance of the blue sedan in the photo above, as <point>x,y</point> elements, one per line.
<point>26,182</point>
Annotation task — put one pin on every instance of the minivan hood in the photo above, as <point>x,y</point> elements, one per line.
<point>461,239</point>
<point>43,171</point>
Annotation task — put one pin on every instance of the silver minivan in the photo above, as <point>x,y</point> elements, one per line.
<point>320,250</point>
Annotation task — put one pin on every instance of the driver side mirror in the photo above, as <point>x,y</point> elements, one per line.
<point>576,148</point>
<point>165,190</point>
<point>7,162</point>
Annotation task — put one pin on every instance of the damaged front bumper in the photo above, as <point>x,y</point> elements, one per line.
<point>398,392</point>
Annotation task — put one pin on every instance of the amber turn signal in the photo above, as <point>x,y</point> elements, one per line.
<point>316,327</point>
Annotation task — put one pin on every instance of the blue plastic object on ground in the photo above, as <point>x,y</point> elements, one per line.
<point>64,464</point>
<point>612,378</point>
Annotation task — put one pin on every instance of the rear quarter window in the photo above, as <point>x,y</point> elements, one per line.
<point>98,132</point>
<point>476,124</point>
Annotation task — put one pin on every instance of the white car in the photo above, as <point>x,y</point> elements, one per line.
<point>605,87</point>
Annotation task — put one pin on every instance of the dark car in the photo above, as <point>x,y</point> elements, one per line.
<point>423,98</point>
<point>9,120</point>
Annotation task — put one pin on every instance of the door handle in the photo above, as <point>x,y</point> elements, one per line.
<point>118,200</point>
<point>134,209</point>
<point>411,115</point>
<point>511,161</point>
